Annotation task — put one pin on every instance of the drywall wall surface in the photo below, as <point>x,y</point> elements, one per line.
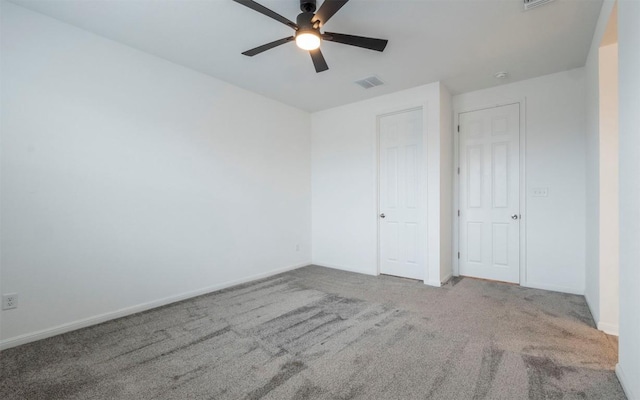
<point>628,368</point>
<point>592,181</point>
<point>129,181</point>
<point>345,183</point>
<point>555,160</point>
<point>609,191</point>
<point>446,184</point>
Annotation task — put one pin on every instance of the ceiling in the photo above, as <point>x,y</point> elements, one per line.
<point>462,43</point>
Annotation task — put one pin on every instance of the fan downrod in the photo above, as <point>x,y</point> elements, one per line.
<point>308,6</point>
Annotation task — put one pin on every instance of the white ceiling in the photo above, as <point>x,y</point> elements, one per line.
<point>460,42</point>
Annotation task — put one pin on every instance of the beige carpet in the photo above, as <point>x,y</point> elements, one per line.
<point>317,333</point>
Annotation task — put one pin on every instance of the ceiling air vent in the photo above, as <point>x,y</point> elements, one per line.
<point>370,82</point>
<point>529,4</point>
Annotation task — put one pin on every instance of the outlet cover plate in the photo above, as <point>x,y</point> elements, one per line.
<point>9,301</point>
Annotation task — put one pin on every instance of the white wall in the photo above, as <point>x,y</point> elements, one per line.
<point>129,181</point>
<point>601,280</point>
<point>446,185</point>
<point>609,190</point>
<point>555,159</point>
<point>629,42</point>
<point>592,234</point>
<point>344,181</point>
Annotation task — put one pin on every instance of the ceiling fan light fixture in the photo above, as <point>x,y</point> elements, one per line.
<point>307,30</point>
<point>308,40</point>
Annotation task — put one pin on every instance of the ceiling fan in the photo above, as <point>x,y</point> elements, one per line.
<point>308,35</point>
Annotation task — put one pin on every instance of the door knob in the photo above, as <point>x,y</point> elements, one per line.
<point>514,216</point>
<point>382,215</point>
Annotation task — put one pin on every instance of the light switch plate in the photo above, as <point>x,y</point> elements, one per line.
<point>540,192</point>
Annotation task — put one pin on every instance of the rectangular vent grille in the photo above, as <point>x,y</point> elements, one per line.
<point>370,82</point>
<point>529,4</point>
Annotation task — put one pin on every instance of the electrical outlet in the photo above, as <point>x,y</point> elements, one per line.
<point>10,301</point>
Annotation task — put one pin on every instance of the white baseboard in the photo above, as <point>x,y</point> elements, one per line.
<point>553,288</point>
<point>343,268</point>
<point>433,283</point>
<point>595,315</point>
<point>360,271</point>
<point>447,278</point>
<point>98,319</point>
<point>608,328</point>
<point>624,382</point>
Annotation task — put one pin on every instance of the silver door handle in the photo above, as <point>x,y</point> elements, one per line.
<point>382,215</point>
<point>515,216</point>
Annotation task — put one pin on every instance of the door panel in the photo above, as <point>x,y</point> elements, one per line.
<point>490,193</point>
<point>500,175</point>
<point>475,176</point>
<point>500,238</point>
<point>401,252</point>
<point>474,239</point>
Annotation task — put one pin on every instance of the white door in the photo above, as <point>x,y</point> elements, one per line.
<point>490,193</point>
<point>401,211</point>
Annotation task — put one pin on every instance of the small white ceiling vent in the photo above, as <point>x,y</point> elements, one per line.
<point>370,82</point>
<point>529,4</point>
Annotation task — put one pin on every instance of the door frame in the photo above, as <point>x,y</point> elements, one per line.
<point>465,108</point>
<point>411,106</point>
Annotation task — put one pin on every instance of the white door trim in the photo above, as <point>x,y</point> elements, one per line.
<point>410,106</point>
<point>523,186</point>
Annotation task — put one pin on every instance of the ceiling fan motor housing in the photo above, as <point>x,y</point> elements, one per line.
<point>304,22</point>
<point>308,6</point>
